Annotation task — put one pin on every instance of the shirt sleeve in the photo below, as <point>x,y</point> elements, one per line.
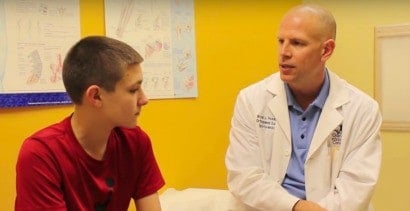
<point>37,179</point>
<point>150,179</point>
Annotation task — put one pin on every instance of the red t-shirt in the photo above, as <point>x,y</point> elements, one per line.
<point>55,173</point>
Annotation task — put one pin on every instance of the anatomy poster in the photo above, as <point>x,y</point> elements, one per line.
<point>162,31</point>
<point>34,38</point>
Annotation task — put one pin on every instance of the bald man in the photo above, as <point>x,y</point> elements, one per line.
<point>303,138</point>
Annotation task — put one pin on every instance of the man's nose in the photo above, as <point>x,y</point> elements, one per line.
<point>284,50</point>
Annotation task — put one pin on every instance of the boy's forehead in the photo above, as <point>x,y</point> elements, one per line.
<point>132,74</point>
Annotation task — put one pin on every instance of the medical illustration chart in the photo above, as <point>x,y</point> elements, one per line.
<point>162,31</point>
<point>34,38</point>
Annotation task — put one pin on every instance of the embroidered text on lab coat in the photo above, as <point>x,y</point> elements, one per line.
<point>266,122</point>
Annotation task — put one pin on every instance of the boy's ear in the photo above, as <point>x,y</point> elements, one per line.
<point>92,95</point>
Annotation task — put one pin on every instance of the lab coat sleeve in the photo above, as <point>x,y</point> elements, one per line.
<point>248,179</point>
<point>359,162</point>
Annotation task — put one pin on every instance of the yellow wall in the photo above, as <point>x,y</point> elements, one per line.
<point>236,42</point>
<point>354,60</point>
<point>236,45</point>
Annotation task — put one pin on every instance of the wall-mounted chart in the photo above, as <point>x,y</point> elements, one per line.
<point>34,38</point>
<point>392,64</point>
<point>162,31</point>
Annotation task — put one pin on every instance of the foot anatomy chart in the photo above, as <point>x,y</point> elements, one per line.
<point>162,31</point>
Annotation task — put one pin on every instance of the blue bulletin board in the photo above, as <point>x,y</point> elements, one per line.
<point>33,99</point>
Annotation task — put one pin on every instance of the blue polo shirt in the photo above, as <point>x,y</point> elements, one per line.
<point>303,125</point>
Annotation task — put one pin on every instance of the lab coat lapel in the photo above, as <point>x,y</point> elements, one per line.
<point>331,115</point>
<point>278,105</point>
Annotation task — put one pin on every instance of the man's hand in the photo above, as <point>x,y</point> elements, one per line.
<point>303,205</point>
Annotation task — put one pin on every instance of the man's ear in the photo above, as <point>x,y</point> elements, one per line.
<point>328,47</point>
<point>92,95</point>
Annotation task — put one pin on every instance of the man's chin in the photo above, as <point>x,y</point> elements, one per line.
<point>285,78</point>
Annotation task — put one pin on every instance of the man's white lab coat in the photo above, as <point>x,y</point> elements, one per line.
<point>344,158</point>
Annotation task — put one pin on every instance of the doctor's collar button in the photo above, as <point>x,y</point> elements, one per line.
<point>302,136</point>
